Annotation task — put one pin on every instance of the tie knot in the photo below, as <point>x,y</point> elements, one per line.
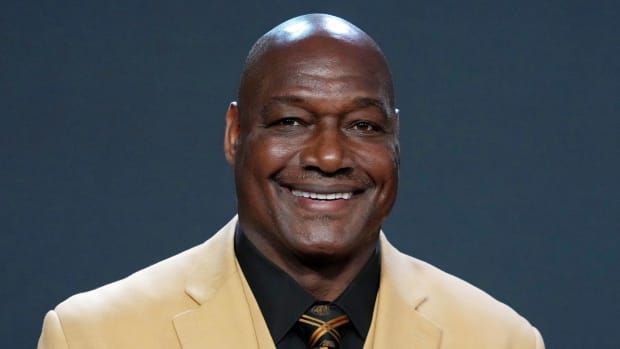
<point>320,324</point>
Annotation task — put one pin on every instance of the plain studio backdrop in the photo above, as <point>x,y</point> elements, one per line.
<point>112,119</point>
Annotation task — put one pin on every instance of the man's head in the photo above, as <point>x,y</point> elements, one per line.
<point>313,141</point>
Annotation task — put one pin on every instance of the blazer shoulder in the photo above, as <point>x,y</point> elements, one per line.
<point>468,310</point>
<point>143,304</point>
<point>465,313</point>
<point>157,280</point>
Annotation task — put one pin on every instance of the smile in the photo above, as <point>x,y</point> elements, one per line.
<point>319,196</point>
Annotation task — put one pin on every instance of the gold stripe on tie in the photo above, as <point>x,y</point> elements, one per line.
<point>324,327</point>
<point>321,327</point>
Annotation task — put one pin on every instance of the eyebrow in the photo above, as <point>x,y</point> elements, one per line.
<point>362,102</point>
<point>357,103</point>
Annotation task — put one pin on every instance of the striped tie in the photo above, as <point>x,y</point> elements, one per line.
<point>319,326</point>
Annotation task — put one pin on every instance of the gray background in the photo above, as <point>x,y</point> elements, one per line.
<point>112,116</point>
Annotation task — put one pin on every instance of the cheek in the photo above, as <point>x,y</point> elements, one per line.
<point>266,155</point>
<point>278,151</point>
<point>379,161</point>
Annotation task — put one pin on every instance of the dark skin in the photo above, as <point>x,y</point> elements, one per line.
<point>313,142</point>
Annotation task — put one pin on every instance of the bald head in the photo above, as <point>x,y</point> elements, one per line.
<point>320,37</point>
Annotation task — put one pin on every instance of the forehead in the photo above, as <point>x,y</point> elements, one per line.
<point>321,68</point>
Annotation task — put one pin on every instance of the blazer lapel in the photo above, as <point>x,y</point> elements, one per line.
<point>223,321</point>
<point>225,311</point>
<point>396,322</point>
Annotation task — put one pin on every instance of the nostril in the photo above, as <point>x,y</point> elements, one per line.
<point>338,173</point>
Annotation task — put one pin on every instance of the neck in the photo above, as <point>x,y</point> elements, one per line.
<point>328,282</point>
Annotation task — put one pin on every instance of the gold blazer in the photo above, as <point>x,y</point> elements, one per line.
<point>200,299</point>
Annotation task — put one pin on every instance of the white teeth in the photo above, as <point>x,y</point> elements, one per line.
<point>318,196</point>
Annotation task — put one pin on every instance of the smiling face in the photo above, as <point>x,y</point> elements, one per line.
<point>314,147</point>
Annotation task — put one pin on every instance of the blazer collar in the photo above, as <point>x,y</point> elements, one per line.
<point>227,315</point>
<point>397,324</point>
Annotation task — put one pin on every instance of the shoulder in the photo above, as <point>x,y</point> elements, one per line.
<point>463,312</point>
<point>142,305</point>
<point>149,285</point>
<point>160,281</point>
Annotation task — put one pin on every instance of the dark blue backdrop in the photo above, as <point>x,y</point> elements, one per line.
<point>112,117</point>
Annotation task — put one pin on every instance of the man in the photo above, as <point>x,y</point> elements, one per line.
<point>313,140</point>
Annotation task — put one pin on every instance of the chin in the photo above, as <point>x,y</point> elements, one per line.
<point>323,251</point>
<point>326,239</point>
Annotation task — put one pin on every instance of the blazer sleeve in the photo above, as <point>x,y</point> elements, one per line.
<point>52,335</point>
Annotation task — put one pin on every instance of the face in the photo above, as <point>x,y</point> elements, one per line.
<point>315,151</point>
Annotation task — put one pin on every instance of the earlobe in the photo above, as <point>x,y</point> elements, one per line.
<point>231,135</point>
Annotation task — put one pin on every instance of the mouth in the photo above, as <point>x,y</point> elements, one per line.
<point>323,199</point>
<point>322,196</point>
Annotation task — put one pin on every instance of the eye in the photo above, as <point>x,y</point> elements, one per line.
<point>288,121</point>
<point>365,126</point>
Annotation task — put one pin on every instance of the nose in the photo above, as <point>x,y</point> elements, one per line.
<point>327,151</point>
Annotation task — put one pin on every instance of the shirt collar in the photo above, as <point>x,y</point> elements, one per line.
<point>282,300</point>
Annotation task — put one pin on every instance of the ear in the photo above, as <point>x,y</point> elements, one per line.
<point>231,135</point>
<point>396,135</point>
<point>397,121</point>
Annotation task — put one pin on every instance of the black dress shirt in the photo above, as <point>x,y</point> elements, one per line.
<point>282,300</point>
